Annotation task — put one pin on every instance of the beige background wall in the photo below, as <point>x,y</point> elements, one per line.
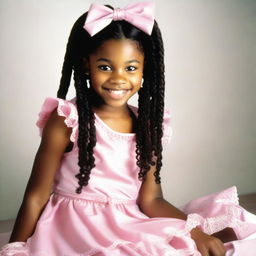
<point>210,90</point>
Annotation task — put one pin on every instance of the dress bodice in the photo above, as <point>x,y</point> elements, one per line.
<point>115,174</point>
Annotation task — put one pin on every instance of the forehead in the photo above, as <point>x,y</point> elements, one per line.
<point>125,47</point>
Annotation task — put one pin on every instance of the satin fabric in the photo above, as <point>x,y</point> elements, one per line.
<point>140,15</point>
<point>105,219</point>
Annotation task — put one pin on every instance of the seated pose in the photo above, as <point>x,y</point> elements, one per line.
<point>95,186</point>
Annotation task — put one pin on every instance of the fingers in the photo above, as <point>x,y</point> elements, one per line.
<point>214,247</point>
<point>217,248</point>
<point>203,251</point>
<point>208,245</point>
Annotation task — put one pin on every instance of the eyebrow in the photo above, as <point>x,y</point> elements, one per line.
<point>109,61</point>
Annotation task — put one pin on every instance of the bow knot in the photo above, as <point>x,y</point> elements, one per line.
<point>140,15</point>
<point>118,14</point>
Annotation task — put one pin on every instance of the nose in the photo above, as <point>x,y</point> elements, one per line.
<point>117,78</point>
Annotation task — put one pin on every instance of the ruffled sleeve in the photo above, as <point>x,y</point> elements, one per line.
<point>15,249</point>
<point>167,128</point>
<point>65,108</point>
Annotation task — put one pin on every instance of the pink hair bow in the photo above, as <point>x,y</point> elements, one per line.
<point>140,15</point>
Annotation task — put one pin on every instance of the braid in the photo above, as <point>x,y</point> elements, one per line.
<point>65,73</point>
<point>151,110</point>
<point>86,126</point>
<point>160,99</point>
<point>87,131</point>
<point>143,134</point>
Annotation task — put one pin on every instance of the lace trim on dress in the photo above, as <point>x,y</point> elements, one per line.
<point>117,244</point>
<point>65,108</point>
<point>14,249</point>
<point>232,216</point>
<point>230,197</point>
<point>193,220</point>
<point>167,128</point>
<point>232,219</point>
<point>113,134</point>
<point>94,198</point>
<point>165,248</point>
<point>21,248</point>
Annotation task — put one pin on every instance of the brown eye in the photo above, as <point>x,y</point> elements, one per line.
<point>131,68</point>
<point>104,67</point>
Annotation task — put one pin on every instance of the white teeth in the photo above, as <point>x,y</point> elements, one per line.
<point>117,92</point>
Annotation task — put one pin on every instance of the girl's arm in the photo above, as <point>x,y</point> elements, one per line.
<point>55,139</point>
<point>152,203</point>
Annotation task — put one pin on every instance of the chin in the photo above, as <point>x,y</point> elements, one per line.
<point>117,104</point>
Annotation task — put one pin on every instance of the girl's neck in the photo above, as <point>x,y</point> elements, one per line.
<point>111,112</point>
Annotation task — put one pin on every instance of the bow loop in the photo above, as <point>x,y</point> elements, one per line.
<point>140,15</point>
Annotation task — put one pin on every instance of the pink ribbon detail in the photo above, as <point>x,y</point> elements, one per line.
<point>140,15</point>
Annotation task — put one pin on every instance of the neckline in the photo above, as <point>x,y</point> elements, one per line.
<point>110,130</point>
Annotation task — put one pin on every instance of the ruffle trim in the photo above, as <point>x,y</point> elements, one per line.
<point>21,249</point>
<point>65,108</point>
<point>139,248</point>
<point>215,224</point>
<point>231,218</point>
<point>142,249</point>
<point>15,249</point>
<point>167,128</point>
<point>150,245</point>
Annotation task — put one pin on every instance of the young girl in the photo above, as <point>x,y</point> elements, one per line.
<point>95,184</point>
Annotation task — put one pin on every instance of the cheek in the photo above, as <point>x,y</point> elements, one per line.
<point>137,80</point>
<point>97,79</point>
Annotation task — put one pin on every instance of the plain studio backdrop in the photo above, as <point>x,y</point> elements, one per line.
<point>210,56</point>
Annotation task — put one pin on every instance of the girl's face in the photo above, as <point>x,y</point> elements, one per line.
<point>116,71</point>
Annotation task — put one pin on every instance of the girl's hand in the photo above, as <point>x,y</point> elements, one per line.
<point>207,245</point>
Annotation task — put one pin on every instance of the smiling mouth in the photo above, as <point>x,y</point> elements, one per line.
<point>117,93</point>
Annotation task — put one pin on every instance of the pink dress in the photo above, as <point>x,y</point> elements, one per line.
<point>105,220</point>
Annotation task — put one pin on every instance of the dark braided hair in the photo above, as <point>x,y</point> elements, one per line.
<point>151,96</point>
